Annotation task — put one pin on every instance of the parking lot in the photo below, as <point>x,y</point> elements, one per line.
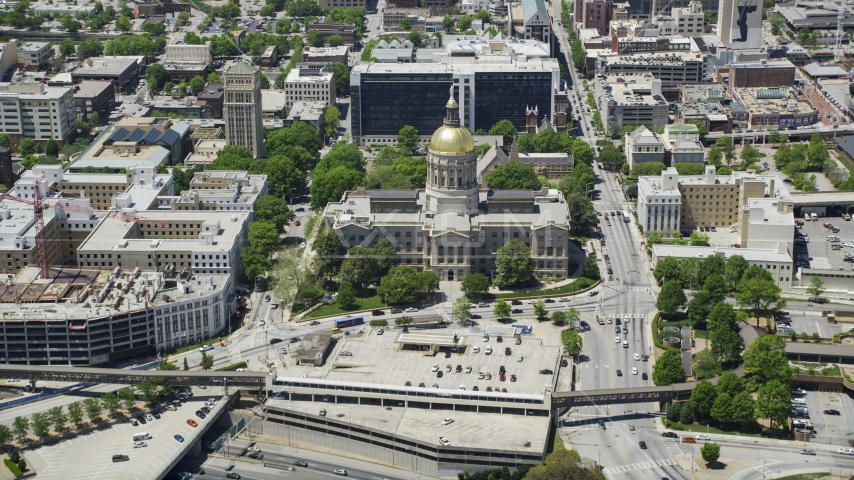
<point>89,456</point>
<point>829,427</point>
<point>819,251</point>
<point>381,359</point>
<point>810,323</point>
<point>469,429</point>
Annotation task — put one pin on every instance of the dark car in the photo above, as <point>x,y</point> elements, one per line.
<point>584,325</point>
<point>200,414</point>
<point>549,300</point>
<point>642,445</point>
<point>501,377</point>
<point>619,373</point>
<point>499,339</point>
<point>314,322</point>
<point>501,369</point>
<point>274,341</point>
<point>473,317</point>
<point>156,415</point>
<point>669,434</point>
<point>255,455</point>
<point>564,363</point>
<point>516,302</point>
<point>421,385</point>
<point>516,311</point>
<point>447,354</point>
<point>295,340</point>
<point>232,475</point>
<point>507,351</point>
<point>475,389</point>
<point>459,368</point>
<point>832,412</point>
<point>645,377</point>
<point>512,378</point>
<point>300,463</point>
<point>618,321</point>
<point>377,313</point>
<point>179,438</point>
<point>142,420</point>
<point>199,471</point>
<point>439,374</point>
<point>546,371</point>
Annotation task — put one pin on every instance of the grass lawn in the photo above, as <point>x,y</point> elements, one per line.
<point>362,303</point>
<point>805,476</point>
<point>754,430</point>
<point>579,284</point>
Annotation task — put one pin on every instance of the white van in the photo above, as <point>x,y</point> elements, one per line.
<point>625,344</point>
<point>832,238</point>
<point>138,437</point>
<point>813,217</point>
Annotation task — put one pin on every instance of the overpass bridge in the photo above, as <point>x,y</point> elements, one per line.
<point>178,378</point>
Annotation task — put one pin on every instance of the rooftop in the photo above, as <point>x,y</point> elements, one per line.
<point>817,70</point>
<point>240,68</point>
<point>703,92</point>
<point>107,65</point>
<point>32,46</point>
<point>91,88</point>
<point>531,65</point>
<point>783,100</point>
<point>749,254</point>
<point>663,58</point>
<point>630,90</point>
<point>700,109</point>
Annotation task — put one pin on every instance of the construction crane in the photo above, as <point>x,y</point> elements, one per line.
<point>41,204</point>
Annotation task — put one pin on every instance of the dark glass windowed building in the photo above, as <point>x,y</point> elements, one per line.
<point>385,97</point>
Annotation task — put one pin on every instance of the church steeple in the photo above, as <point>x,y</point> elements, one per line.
<point>452,108</point>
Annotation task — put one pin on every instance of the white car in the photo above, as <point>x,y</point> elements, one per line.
<point>475,349</point>
<point>444,441</point>
<point>634,371</point>
<point>637,356</point>
<point>563,299</point>
<point>617,340</point>
<point>149,417</point>
<point>519,358</point>
<point>262,322</point>
<point>139,444</point>
<point>532,301</point>
<point>447,421</point>
<point>848,244</point>
<point>845,451</point>
<point>240,370</point>
<point>703,436</point>
<point>411,310</point>
<point>462,387</point>
<point>435,367</point>
<point>488,350</point>
<point>609,321</point>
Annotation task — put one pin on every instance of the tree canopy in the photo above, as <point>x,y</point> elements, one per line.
<point>513,176</point>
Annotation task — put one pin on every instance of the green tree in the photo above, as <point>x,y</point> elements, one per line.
<point>758,293</point>
<point>686,414</point>
<point>314,38</point>
<point>483,15</point>
<point>213,77</point>
<point>207,361</point>
<point>342,78</point>
<point>93,409</point>
<point>773,402</point>
<point>668,368</point>
<point>186,365</point>
<point>5,435</point>
<point>41,424</point>
<point>730,383</point>
<point>403,321</point>
<point>408,137</point>
<point>75,413</point>
<point>776,137</point>
<point>514,265</point>
<point>706,364</point>
<point>540,309</point>
<point>475,285</point>
<point>591,268</point>
<point>710,452</point>
<point>573,316</point>
<point>743,409</point>
<point>331,119</point>
<point>5,140</point>
<point>264,236</point>
<point>58,418</point>
<point>513,176</point>
<point>197,84</point>
<point>404,284</point>
<point>666,268</point>
<point>671,298</point>
<point>699,239</point>
<point>229,10</point>
<point>273,210</point>
<point>21,428</point>
<point>502,309</point>
<point>701,127</point>
<point>583,215</point>
<point>462,310</point>
<point>255,263</point>
<point>558,318</point>
<point>506,129</point>
<point>346,295</point>
<point>67,47</point>
<point>572,342</point>
<point>447,23</point>
<point>123,24</point>
<point>749,156</point>
<point>674,411</point>
<point>463,23</point>
<point>330,254</point>
<point>183,19</point>
<point>721,410</point>
<point>26,146</point>
<point>816,287</point>
<point>110,402</point>
<point>735,267</point>
<point>51,148</point>
<point>765,361</point>
<point>817,153</point>
<point>156,75</point>
<point>128,396</point>
<point>703,396</point>
<point>154,28</point>
<point>582,180</point>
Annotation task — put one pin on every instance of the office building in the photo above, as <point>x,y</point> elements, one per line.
<point>777,262</point>
<point>135,141</point>
<point>453,227</point>
<point>326,54</point>
<point>682,144</point>
<point>673,202</point>
<point>642,146</point>
<point>689,20</point>
<point>310,113</point>
<point>817,14</point>
<point>8,177</point>
<point>553,166</point>
<point>310,84</point>
<point>386,96</point>
<point>535,22</point>
<point>122,71</point>
<point>212,98</point>
<point>270,56</point>
<point>183,53</point>
<point>740,23</point>
<point>220,190</point>
<point>633,99</point>
<point>93,100</point>
<point>34,55</point>
<point>242,108</point>
<point>346,30</point>
<point>205,151</point>
<point>762,73</point>
<point>771,108</point>
<point>596,14</point>
<point>37,111</point>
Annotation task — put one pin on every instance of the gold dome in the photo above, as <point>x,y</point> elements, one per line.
<point>451,140</point>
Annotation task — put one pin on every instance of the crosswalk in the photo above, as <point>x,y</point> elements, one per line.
<point>639,466</point>
<point>634,316</point>
<point>672,446</point>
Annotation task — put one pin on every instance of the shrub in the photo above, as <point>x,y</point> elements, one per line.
<point>378,323</point>
<point>12,467</point>
<point>233,366</point>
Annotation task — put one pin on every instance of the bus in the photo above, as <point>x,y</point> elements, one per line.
<point>349,322</point>
<point>626,216</point>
